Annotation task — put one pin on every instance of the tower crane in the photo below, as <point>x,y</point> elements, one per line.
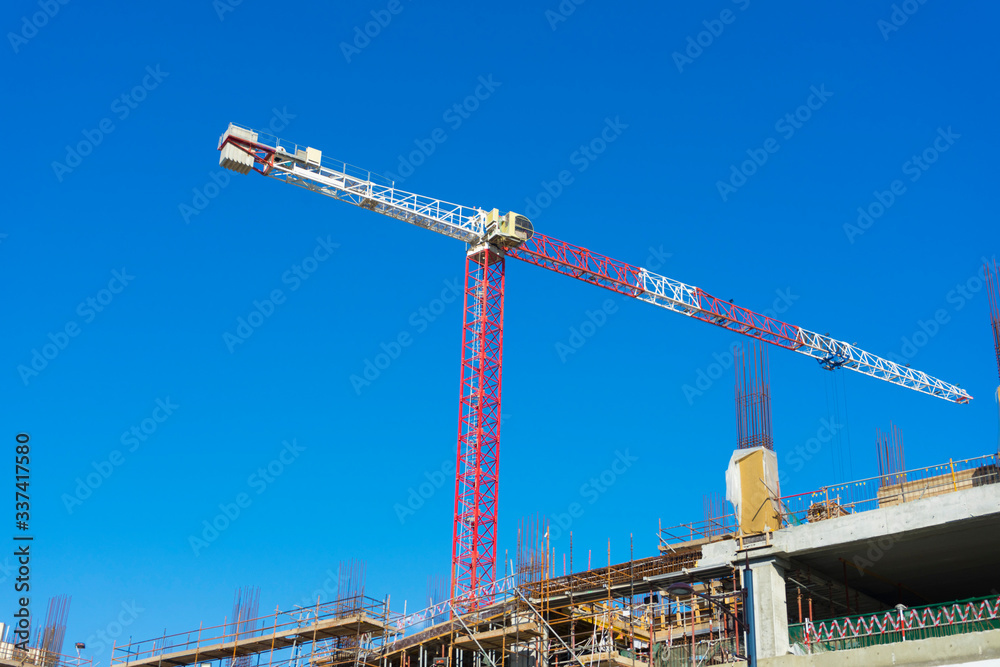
<point>491,238</point>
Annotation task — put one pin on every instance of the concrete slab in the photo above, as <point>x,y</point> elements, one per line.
<point>497,639</point>
<point>932,550</point>
<point>927,515</point>
<point>614,659</point>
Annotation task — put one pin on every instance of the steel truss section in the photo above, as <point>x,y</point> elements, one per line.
<point>647,286</point>
<point>644,285</point>
<point>476,476</point>
<point>363,188</point>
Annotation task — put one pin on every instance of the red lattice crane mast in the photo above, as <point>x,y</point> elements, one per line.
<point>492,237</point>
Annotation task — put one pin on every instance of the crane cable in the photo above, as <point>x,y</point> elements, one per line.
<point>847,427</point>
<point>998,422</point>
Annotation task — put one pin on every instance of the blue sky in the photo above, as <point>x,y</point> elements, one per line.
<point>114,122</point>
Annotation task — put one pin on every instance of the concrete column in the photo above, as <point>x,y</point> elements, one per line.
<point>769,605</point>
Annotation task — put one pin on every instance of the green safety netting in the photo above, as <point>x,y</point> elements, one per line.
<point>896,625</point>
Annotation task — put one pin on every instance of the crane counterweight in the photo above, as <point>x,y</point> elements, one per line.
<point>509,229</point>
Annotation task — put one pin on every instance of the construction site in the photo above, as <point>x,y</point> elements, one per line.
<point>851,574</point>
<point>898,568</point>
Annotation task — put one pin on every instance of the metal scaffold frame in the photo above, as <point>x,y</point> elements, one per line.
<point>275,634</point>
<point>613,616</point>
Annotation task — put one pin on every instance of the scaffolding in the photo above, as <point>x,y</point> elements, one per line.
<point>11,656</point>
<point>613,616</point>
<point>280,635</point>
<point>892,488</point>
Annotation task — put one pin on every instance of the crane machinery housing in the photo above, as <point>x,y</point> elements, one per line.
<point>491,237</point>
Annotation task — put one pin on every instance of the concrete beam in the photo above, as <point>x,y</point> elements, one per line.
<point>911,517</point>
<point>718,553</point>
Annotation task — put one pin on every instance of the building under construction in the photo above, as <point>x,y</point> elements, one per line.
<point>896,569</point>
<point>900,568</point>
